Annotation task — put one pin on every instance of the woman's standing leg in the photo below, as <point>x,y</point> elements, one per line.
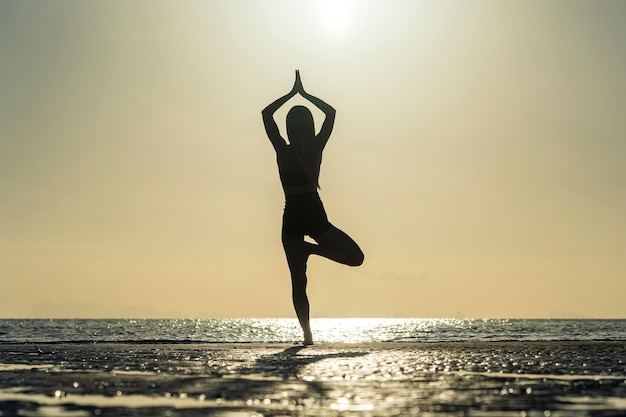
<point>297,256</point>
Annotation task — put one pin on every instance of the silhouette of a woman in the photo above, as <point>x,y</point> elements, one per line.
<point>299,167</point>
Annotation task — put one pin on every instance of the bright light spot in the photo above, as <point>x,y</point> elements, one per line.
<point>347,330</point>
<point>335,17</point>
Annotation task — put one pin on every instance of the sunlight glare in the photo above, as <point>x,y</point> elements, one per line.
<point>335,17</point>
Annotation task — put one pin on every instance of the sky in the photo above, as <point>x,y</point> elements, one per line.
<point>477,157</point>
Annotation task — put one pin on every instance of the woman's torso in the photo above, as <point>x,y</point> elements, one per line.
<point>294,177</point>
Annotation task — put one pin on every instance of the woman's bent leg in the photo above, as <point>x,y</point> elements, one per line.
<point>297,256</point>
<point>336,245</point>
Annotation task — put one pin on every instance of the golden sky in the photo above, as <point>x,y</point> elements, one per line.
<point>477,157</point>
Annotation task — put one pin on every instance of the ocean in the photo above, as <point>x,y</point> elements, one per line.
<point>287,330</point>
<point>358,367</point>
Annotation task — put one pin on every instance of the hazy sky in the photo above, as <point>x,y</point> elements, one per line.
<point>477,157</point>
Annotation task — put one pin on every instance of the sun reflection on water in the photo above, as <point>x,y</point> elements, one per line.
<point>371,329</point>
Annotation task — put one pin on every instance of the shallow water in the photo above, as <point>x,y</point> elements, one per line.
<point>369,367</point>
<point>373,379</point>
<point>325,330</point>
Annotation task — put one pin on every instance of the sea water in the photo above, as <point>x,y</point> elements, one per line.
<point>359,367</point>
<point>279,330</point>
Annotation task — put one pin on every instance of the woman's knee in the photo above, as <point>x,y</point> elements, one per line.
<point>357,259</point>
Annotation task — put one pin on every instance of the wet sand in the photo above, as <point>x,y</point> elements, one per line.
<point>368,379</point>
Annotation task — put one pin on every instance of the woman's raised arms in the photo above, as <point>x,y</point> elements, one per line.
<point>327,109</point>
<point>270,124</point>
<point>268,115</point>
<point>329,120</point>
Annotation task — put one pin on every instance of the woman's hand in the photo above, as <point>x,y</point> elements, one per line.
<point>297,85</point>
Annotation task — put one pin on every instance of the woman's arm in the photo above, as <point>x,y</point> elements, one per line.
<point>329,120</point>
<point>268,115</point>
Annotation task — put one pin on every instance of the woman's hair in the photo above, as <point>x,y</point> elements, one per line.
<point>301,134</point>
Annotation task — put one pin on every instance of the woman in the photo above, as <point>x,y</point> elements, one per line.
<point>299,167</point>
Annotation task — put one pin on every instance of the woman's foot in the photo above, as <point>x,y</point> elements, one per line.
<point>304,250</point>
<point>297,251</point>
<point>308,339</point>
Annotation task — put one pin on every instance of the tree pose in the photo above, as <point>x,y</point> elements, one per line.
<point>299,167</point>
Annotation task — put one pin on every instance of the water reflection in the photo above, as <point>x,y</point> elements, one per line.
<point>287,330</point>
<point>387,379</point>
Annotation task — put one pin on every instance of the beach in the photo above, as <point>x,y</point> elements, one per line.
<point>573,378</point>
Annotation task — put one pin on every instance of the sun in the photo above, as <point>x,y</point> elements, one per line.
<point>335,17</point>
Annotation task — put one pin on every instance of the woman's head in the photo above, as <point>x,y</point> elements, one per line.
<point>301,132</point>
<point>300,125</point>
